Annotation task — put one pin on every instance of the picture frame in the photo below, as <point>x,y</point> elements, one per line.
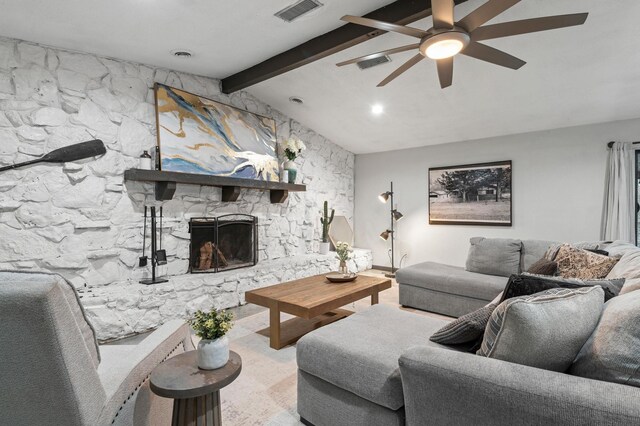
<point>471,194</point>
<point>199,135</point>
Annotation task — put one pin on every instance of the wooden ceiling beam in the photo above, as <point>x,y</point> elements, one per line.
<point>401,12</point>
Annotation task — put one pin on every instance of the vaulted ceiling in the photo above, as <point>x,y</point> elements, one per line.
<point>573,76</point>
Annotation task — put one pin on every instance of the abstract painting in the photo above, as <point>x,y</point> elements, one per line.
<point>474,194</point>
<point>198,135</point>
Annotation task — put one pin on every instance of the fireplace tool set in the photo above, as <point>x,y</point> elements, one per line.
<point>158,254</point>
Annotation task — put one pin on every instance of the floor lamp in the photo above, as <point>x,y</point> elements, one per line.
<point>395,216</point>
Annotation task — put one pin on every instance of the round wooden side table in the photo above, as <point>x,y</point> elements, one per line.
<point>196,392</point>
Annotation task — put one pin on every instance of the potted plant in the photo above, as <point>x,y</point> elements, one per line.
<point>212,327</point>
<point>343,251</point>
<point>326,222</point>
<point>293,147</point>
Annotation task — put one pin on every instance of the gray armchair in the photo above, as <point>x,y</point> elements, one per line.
<point>53,372</point>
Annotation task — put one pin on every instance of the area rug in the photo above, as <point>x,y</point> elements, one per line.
<point>265,391</point>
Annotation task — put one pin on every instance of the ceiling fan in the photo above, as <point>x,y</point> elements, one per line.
<point>447,38</point>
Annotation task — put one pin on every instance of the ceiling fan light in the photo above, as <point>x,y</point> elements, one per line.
<point>444,44</point>
<point>444,49</point>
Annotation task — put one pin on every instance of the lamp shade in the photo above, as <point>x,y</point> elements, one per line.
<point>385,235</point>
<point>397,215</point>
<point>384,196</point>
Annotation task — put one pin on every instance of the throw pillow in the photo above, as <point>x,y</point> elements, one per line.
<point>612,353</point>
<point>584,245</point>
<point>494,256</point>
<point>628,266</point>
<point>545,330</point>
<point>577,263</point>
<point>527,284</point>
<point>467,328</point>
<point>544,267</point>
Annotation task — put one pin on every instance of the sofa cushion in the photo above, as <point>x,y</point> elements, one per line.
<point>628,266</point>
<point>619,248</point>
<point>545,330</point>
<point>360,353</point>
<point>532,251</point>
<point>583,264</point>
<point>467,328</point>
<point>452,280</point>
<point>612,353</point>
<point>494,256</point>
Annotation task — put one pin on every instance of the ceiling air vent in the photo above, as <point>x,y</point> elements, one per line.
<point>296,10</point>
<point>368,63</point>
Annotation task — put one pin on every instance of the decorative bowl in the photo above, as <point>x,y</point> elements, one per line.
<point>337,277</point>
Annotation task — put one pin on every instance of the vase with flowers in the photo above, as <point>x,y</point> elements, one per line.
<point>343,252</point>
<point>293,147</point>
<point>212,327</point>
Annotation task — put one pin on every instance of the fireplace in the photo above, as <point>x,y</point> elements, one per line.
<point>223,243</point>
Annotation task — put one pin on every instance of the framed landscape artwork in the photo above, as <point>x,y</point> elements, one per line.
<point>474,194</point>
<point>199,135</point>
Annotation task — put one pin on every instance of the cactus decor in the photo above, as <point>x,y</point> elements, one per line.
<point>326,222</point>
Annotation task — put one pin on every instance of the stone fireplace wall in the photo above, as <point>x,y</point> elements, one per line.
<point>81,219</point>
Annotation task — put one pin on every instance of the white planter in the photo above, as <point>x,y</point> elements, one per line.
<point>289,165</point>
<point>213,354</point>
<point>324,248</point>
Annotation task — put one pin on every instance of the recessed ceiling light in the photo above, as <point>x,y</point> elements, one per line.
<point>181,53</point>
<point>296,100</point>
<point>377,109</point>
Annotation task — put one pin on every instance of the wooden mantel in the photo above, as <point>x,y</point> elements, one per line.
<point>166,184</point>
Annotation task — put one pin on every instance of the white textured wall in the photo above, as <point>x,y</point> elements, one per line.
<point>558,186</point>
<point>80,219</point>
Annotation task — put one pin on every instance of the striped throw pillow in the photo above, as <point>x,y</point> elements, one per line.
<point>467,328</point>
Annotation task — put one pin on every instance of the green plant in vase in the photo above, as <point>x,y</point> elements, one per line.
<point>293,147</point>
<point>212,327</point>
<point>326,220</point>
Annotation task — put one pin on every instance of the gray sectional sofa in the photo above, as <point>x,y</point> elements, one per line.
<point>455,291</point>
<point>378,367</point>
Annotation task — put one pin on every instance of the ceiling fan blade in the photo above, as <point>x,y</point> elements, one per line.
<point>525,26</point>
<point>411,62</point>
<point>379,54</point>
<point>490,54</point>
<point>445,71</point>
<point>485,13</point>
<point>442,12</point>
<point>385,26</point>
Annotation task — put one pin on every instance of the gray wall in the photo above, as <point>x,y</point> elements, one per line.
<point>558,186</point>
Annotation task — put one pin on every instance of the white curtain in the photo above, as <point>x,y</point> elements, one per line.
<point>619,212</point>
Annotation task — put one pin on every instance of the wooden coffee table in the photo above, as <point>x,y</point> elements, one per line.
<point>316,302</point>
